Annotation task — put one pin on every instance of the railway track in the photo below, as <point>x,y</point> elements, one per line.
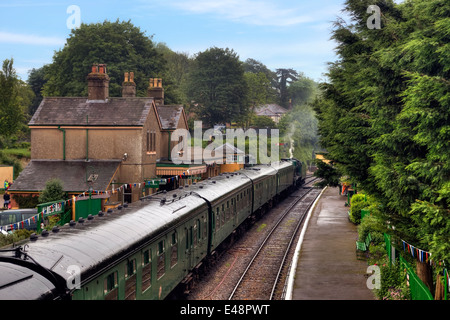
<point>268,240</point>
<point>261,278</point>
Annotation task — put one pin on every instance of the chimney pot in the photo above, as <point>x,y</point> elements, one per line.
<point>98,83</point>
<point>156,91</point>
<point>128,85</point>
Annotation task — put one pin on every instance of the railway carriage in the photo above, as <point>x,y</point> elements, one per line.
<point>146,249</point>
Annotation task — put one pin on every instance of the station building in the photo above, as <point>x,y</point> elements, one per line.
<point>109,147</point>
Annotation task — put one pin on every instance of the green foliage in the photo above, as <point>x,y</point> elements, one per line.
<point>8,159</point>
<point>53,191</point>
<point>299,127</point>
<point>263,122</point>
<point>13,98</point>
<point>217,86</point>
<point>285,78</point>
<point>374,225</point>
<point>384,114</point>
<point>27,201</point>
<point>14,237</point>
<point>256,67</point>
<point>303,90</point>
<point>177,68</point>
<point>36,81</point>
<point>393,282</point>
<point>328,173</point>
<point>358,202</point>
<point>121,45</point>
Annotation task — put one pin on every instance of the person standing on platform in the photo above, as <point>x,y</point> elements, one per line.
<point>6,199</point>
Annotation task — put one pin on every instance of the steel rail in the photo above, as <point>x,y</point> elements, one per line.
<point>282,216</point>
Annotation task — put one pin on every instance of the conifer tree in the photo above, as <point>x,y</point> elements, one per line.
<point>384,115</point>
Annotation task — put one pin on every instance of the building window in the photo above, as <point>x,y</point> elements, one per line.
<point>154,141</point>
<point>151,141</point>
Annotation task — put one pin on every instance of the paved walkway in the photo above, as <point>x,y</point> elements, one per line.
<point>327,266</point>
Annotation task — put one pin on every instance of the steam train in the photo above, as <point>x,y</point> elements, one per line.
<point>148,249</point>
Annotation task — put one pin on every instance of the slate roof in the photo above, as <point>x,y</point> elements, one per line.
<point>228,148</point>
<point>169,115</point>
<point>72,173</point>
<point>81,111</point>
<point>270,110</point>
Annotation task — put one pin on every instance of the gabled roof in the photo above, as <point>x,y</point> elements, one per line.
<point>169,116</point>
<point>81,111</point>
<point>229,149</point>
<point>270,110</point>
<point>72,173</point>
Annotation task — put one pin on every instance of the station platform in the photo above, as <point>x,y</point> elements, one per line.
<point>325,266</point>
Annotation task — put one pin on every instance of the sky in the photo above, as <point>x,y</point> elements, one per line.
<point>280,34</point>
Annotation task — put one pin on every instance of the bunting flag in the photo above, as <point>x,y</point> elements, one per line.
<point>419,254</point>
<point>69,202</point>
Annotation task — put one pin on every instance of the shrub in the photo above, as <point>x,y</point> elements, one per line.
<point>53,191</point>
<point>393,282</point>
<point>14,237</point>
<point>358,202</point>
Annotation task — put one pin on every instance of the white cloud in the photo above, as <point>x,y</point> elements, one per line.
<point>30,39</point>
<point>254,12</point>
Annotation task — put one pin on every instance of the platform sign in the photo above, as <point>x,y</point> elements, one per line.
<point>49,209</point>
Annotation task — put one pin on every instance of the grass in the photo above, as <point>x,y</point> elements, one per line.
<point>20,153</point>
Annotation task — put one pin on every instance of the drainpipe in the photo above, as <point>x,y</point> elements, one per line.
<point>64,141</point>
<point>87,139</point>
<point>168,151</point>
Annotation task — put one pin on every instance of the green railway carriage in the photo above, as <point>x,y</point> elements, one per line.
<point>146,249</point>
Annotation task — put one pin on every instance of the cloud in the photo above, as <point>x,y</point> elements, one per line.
<point>251,12</point>
<point>17,38</point>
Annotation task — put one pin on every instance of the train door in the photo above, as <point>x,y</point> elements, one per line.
<point>234,210</point>
<point>188,249</point>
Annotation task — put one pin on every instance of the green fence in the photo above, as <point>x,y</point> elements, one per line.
<point>83,208</point>
<point>419,291</point>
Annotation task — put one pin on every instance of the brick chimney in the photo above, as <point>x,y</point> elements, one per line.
<point>98,83</point>
<point>156,91</point>
<point>128,85</point>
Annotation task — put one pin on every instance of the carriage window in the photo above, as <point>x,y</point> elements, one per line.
<point>111,286</point>
<point>195,234</point>
<point>204,229</point>
<point>199,231</point>
<point>146,270</point>
<point>161,260</point>
<point>217,217</point>
<point>174,250</point>
<point>130,280</point>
